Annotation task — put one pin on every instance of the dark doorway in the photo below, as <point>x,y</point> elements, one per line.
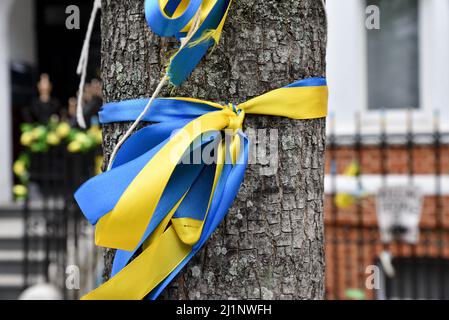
<point>58,53</point>
<point>417,278</point>
<point>59,48</point>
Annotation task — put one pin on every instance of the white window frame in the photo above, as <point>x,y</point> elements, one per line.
<point>347,70</point>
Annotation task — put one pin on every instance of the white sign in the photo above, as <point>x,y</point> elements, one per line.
<point>399,213</point>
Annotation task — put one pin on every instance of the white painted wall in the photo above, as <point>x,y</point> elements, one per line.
<point>22,40</point>
<point>435,56</point>
<point>372,182</point>
<point>5,105</point>
<point>346,61</point>
<point>347,69</point>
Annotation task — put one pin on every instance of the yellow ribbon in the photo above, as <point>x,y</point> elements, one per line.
<point>169,245</point>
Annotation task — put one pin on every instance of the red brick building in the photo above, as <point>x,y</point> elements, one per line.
<point>352,233</point>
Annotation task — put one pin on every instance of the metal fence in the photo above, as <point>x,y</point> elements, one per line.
<point>56,235</point>
<point>354,248</point>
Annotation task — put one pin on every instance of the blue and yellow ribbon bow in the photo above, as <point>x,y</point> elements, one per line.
<point>175,18</point>
<point>161,197</point>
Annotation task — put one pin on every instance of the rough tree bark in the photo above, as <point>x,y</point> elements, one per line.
<point>270,245</point>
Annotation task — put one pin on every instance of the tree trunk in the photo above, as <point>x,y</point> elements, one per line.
<point>270,245</point>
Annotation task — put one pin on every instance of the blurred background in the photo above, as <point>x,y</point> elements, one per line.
<point>45,244</point>
<point>387,166</point>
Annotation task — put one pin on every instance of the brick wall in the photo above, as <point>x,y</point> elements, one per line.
<point>397,158</point>
<point>352,236</point>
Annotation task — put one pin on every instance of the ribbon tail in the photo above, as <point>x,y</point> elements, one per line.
<point>166,247</point>
<point>224,194</point>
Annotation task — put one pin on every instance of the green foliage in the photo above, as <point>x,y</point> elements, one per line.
<point>40,138</point>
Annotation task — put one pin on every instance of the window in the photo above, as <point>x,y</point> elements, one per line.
<point>393,53</point>
<point>416,278</point>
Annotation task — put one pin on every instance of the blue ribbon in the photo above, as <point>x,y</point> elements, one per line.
<point>162,23</point>
<point>192,180</point>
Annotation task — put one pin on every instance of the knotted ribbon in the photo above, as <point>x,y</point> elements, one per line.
<point>175,18</point>
<point>157,199</point>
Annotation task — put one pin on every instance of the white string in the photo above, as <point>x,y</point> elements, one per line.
<point>184,41</point>
<point>137,121</point>
<point>81,70</point>
<point>324,6</point>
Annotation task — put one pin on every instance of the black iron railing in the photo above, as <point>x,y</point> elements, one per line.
<point>53,222</point>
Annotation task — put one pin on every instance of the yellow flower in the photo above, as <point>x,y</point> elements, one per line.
<point>74,146</point>
<point>38,132</point>
<point>98,164</point>
<point>20,190</point>
<point>26,139</point>
<point>82,138</point>
<point>93,129</point>
<point>352,170</point>
<point>95,133</point>
<point>63,130</point>
<point>19,168</point>
<point>53,139</point>
<point>344,200</point>
<point>99,137</point>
